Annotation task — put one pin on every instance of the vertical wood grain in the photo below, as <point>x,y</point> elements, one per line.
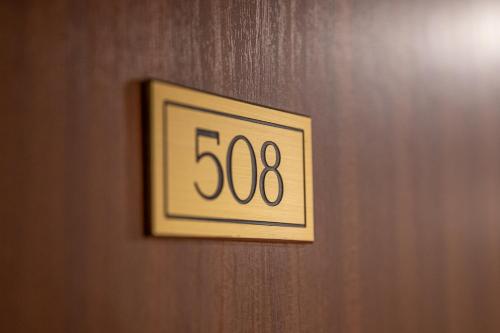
<point>404,98</point>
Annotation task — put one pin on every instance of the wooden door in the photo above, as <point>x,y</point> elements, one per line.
<point>404,98</point>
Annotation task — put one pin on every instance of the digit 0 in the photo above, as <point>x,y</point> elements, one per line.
<point>229,164</point>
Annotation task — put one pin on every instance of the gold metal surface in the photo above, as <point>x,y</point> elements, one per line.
<point>225,168</point>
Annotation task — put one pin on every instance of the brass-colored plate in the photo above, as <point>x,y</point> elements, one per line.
<point>225,168</point>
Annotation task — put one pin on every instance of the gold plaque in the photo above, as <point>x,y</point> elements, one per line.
<point>220,167</point>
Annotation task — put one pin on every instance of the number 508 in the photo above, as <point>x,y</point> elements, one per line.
<point>229,157</point>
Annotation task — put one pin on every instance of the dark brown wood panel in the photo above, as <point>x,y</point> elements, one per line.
<point>405,101</point>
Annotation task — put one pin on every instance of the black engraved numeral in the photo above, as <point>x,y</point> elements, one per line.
<point>220,179</point>
<point>270,168</point>
<point>229,166</point>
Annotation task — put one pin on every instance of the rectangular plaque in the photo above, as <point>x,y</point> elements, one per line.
<point>221,167</point>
